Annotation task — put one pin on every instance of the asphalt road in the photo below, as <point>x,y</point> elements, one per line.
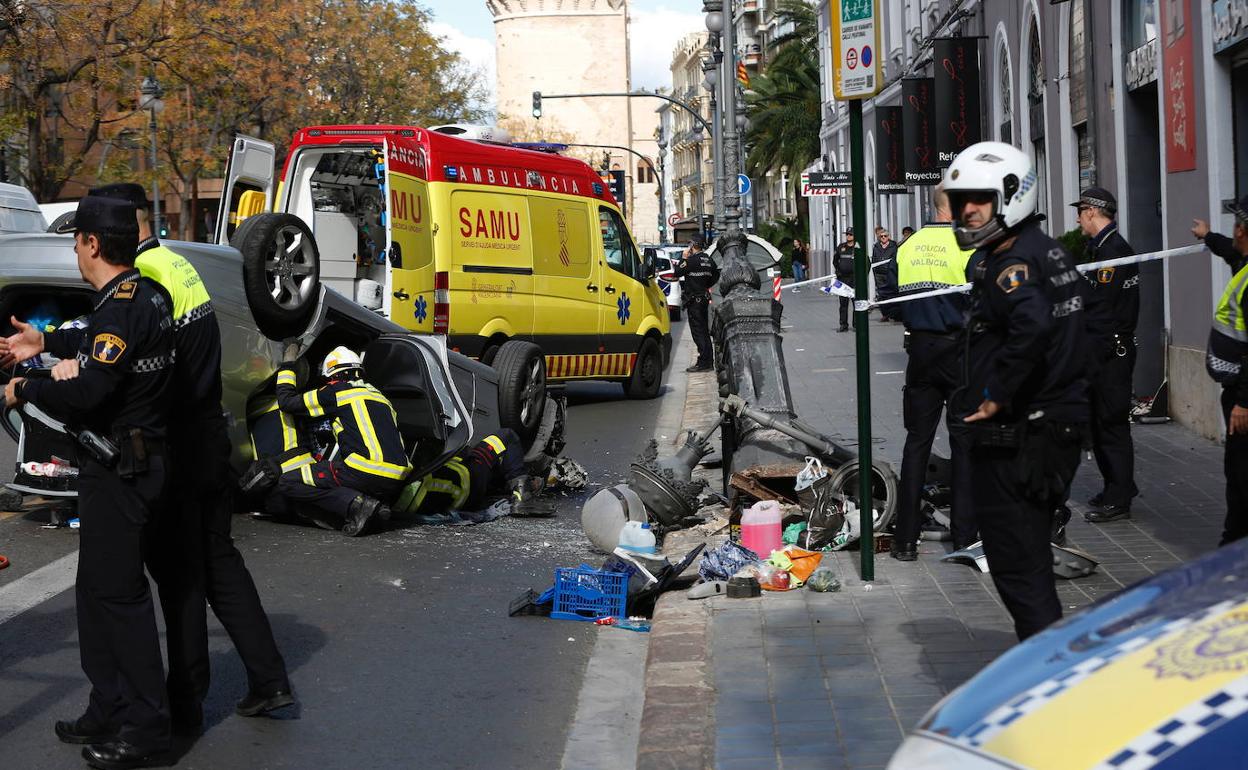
<point>399,644</point>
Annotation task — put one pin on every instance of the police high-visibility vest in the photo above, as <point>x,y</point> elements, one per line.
<point>931,259</point>
<point>179,278</point>
<point>1228,339</point>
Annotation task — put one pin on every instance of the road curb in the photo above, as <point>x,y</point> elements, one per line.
<point>677,720</point>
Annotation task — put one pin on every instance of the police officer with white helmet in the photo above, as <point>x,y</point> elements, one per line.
<point>1025,397</point>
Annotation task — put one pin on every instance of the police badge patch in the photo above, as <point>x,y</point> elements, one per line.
<point>107,348</point>
<point>1012,277</point>
<point>1105,275</point>
<point>1209,647</point>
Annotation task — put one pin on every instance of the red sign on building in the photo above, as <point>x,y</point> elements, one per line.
<point>1179,83</point>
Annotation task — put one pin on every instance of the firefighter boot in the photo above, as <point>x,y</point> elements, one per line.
<point>364,509</point>
<point>520,493</point>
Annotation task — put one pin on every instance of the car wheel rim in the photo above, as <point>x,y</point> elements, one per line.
<point>290,269</point>
<point>534,391</point>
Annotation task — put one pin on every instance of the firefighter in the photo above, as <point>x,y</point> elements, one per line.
<point>1113,309</point>
<point>355,487</point>
<point>122,393</point>
<point>697,273</point>
<point>196,559</point>
<point>466,482</point>
<point>1025,397</point>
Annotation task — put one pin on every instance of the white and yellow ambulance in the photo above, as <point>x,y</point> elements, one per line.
<point>520,258</point>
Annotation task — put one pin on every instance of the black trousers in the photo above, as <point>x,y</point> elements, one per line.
<point>487,471</point>
<point>699,327</point>
<point>199,563</point>
<point>328,498</point>
<point>1235,465</point>
<point>1111,426</point>
<point>845,305</point>
<point>1015,492</point>
<point>933,371</point>
<point>117,636</point>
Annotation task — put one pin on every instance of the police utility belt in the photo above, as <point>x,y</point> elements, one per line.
<point>127,451</point>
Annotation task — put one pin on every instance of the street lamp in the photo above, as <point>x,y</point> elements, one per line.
<point>661,142</point>
<point>711,84</point>
<point>150,93</point>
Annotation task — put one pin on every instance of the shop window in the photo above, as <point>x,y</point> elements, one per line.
<point>1005,97</point>
<point>1087,156</point>
<point>1079,54</point>
<point>1139,18</point>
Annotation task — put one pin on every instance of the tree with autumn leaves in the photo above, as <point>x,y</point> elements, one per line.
<point>70,74</point>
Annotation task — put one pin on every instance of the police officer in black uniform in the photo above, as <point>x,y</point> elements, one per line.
<point>698,274</point>
<point>843,265</point>
<point>1026,395</point>
<point>121,393</point>
<point>1113,309</point>
<point>196,559</point>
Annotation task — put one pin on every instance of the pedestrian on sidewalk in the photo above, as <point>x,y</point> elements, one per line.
<point>1112,311</point>
<point>906,232</point>
<point>932,259</point>
<point>799,256</point>
<point>843,265</point>
<point>1226,359</point>
<point>1025,395</point>
<point>884,270</point>
<point>697,274</point>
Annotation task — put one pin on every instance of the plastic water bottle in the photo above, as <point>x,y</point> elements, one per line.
<point>48,469</point>
<point>760,528</point>
<point>637,537</point>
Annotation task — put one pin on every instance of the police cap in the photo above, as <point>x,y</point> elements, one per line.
<point>1097,197</point>
<point>1239,208</point>
<point>697,240</point>
<point>126,191</point>
<point>106,216</point>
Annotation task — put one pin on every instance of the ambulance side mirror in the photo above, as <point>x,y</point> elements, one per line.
<point>648,265</point>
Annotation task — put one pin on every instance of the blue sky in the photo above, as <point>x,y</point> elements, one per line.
<point>656,26</point>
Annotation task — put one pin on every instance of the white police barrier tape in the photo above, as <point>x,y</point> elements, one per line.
<point>843,290</point>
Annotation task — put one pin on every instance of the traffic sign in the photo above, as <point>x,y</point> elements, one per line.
<point>673,219</point>
<point>743,184</point>
<point>856,72</point>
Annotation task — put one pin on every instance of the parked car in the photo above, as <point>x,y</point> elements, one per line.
<point>444,400</point>
<point>520,257</point>
<point>1154,676</point>
<point>19,213</point>
<point>664,259</point>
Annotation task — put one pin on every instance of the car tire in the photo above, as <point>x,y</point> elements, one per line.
<point>674,312</point>
<point>488,354</point>
<point>647,378</point>
<point>281,272</point>
<point>521,371</point>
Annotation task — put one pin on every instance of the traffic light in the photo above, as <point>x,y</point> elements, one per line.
<point>162,228</point>
<point>537,104</point>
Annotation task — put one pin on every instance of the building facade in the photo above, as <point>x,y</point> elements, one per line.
<point>693,172</point>
<point>1076,84</point>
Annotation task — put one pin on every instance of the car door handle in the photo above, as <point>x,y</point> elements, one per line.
<point>402,296</point>
<point>591,287</point>
<point>610,289</point>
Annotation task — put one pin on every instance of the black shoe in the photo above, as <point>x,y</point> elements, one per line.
<point>843,329</point>
<point>119,755</point>
<point>1108,513</point>
<point>84,732</point>
<point>256,704</point>
<point>1057,531</point>
<point>1097,500</point>
<point>905,551</point>
<point>363,509</point>
<point>699,368</point>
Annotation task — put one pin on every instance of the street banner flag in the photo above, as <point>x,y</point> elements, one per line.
<point>956,95</point>
<point>890,171</point>
<point>743,76</point>
<point>918,129</point>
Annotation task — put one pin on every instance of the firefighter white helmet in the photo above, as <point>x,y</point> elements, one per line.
<point>997,169</point>
<point>339,360</point>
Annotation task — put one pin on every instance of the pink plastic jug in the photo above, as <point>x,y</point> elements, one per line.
<point>760,528</point>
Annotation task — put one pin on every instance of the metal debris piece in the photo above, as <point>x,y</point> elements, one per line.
<point>1068,562</point>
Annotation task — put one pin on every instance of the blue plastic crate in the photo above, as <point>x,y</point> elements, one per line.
<point>584,594</point>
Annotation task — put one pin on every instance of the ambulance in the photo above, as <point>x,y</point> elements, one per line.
<point>520,258</point>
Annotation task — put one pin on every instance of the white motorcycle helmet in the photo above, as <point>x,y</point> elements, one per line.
<point>341,359</point>
<point>1001,170</point>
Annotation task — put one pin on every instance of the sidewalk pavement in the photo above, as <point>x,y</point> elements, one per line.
<point>803,680</point>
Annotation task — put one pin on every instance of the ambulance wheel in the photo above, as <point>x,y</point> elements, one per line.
<point>647,376</point>
<point>521,387</point>
<point>281,272</point>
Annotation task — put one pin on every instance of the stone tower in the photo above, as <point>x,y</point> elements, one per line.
<point>569,47</point>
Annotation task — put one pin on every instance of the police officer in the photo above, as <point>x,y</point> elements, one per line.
<point>122,392</point>
<point>1113,309</point>
<point>1226,360</point>
<point>932,259</point>
<point>466,482</point>
<point>354,487</point>
<point>1026,391</point>
<point>698,274</point>
<point>843,266</point>
<point>197,558</point>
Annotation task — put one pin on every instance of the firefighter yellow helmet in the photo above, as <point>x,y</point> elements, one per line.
<point>339,360</point>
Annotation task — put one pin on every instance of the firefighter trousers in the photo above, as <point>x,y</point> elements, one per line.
<point>323,491</point>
